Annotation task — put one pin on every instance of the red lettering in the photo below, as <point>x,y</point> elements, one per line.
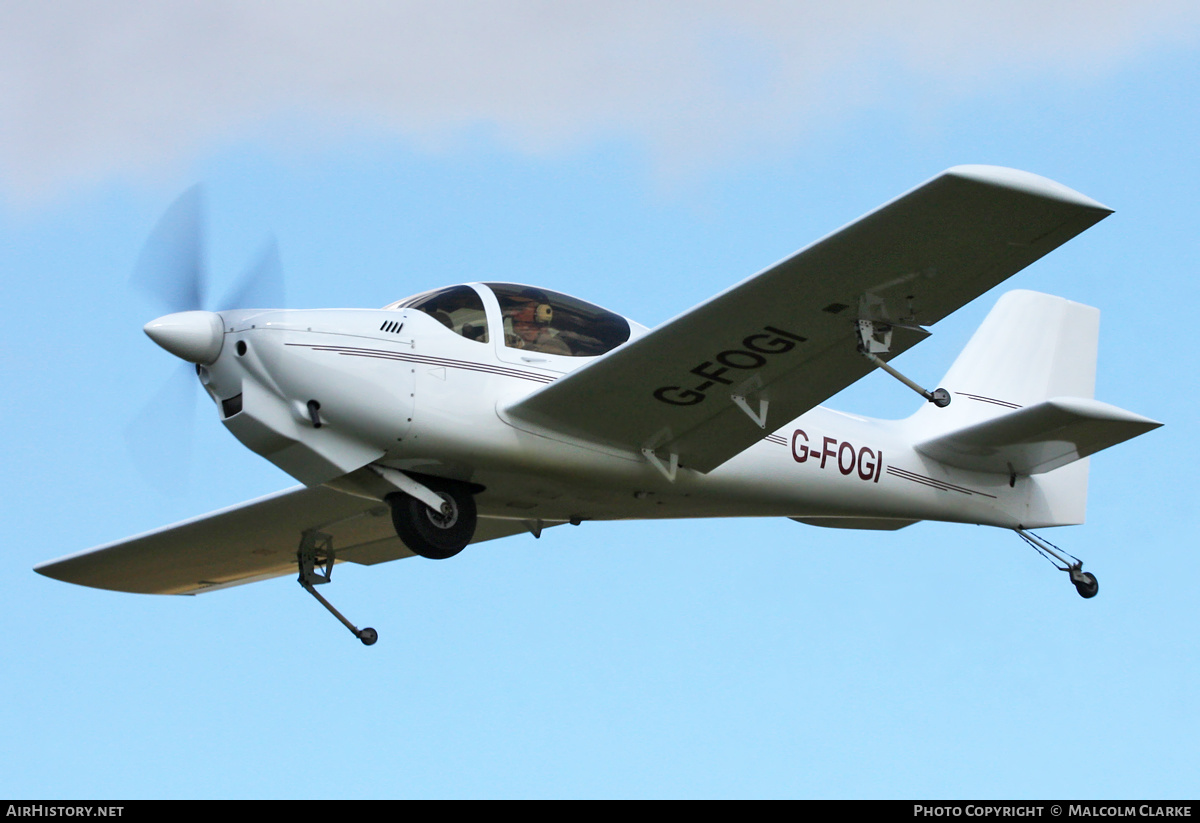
<point>842,449</point>
<point>802,455</point>
<point>866,470</point>
<point>826,451</point>
<point>866,462</point>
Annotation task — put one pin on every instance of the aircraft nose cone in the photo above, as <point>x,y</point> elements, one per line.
<point>194,336</point>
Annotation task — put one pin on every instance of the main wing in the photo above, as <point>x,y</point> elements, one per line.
<point>704,386</point>
<point>252,541</point>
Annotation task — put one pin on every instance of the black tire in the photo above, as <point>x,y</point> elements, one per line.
<point>431,534</point>
<point>1089,587</point>
<point>368,636</point>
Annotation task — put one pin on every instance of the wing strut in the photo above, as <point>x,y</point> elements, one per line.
<point>316,550</point>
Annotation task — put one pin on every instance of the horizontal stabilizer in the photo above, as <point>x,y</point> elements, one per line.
<point>1038,438</point>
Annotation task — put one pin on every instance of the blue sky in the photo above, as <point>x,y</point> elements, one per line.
<point>643,157</point>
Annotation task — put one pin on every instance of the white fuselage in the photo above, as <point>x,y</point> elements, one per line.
<point>397,388</point>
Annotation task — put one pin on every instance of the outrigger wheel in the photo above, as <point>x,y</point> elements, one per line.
<point>1085,582</point>
<point>435,535</point>
<point>316,552</point>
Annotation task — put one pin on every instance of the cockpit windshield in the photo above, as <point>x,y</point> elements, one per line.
<point>552,323</point>
<point>531,319</point>
<point>458,308</point>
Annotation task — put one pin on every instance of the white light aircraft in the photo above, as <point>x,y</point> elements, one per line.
<point>487,410</point>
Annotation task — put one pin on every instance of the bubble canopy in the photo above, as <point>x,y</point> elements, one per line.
<point>523,317</point>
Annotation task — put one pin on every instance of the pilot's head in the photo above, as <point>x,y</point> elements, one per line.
<point>530,312</point>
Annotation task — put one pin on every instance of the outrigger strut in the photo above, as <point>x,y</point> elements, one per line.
<point>1085,582</point>
<point>316,551</point>
<point>876,336</point>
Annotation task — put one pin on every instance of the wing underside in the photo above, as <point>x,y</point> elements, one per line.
<point>708,384</point>
<point>241,544</point>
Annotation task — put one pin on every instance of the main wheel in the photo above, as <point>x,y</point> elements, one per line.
<point>1087,587</point>
<point>434,534</point>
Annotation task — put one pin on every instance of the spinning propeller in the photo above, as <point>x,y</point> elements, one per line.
<point>171,269</point>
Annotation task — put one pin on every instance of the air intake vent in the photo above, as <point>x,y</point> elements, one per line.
<point>231,406</point>
<point>392,326</point>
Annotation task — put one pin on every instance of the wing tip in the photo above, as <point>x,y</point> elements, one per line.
<point>52,569</point>
<point>65,572</point>
<point>1107,412</point>
<point>1026,182</point>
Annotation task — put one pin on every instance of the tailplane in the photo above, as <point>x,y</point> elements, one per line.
<point>1023,404</point>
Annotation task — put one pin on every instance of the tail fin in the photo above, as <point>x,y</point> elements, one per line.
<point>1023,404</point>
<point>1031,347</point>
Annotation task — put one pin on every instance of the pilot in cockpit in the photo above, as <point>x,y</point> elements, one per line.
<point>528,323</point>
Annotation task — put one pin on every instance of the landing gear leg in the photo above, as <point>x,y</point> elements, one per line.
<point>316,550</point>
<point>435,534</point>
<point>1085,582</point>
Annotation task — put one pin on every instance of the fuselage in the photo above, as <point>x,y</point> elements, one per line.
<point>324,393</point>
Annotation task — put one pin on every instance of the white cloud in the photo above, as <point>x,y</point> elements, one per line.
<point>89,90</point>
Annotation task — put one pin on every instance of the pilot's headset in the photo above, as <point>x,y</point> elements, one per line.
<point>537,311</point>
